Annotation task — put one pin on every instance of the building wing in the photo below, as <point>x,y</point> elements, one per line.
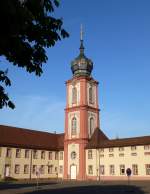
<point>25,138</point>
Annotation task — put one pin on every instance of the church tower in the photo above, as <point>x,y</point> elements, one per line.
<point>81,115</point>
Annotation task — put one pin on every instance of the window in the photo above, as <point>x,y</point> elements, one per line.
<point>74,95</point>
<point>133,154</point>
<point>74,126</point>
<point>42,169</point>
<point>147,167</point>
<point>56,169</point>
<point>89,154</point>
<point>17,169</point>
<point>121,155</point>
<point>91,100</point>
<point>34,169</point>
<point>91,125</point>
<point>18,153</point>
<point>135,169</point>
<point>133,148</point>
<point>112,169</point>
<point>147,147</point>
<point>50,169</point>
<point>90,169</point>
<point>8,153</point>
<point>122,169</point>
<point>111,149</point>
<point>56,155</point>
<point>121,148</point>
<point>102,169</point>
<point>146,153</point>
<point>26,169</point>
<point>60,169</point>
<point>73,155</point>
<point>61,155</point>
<point>26,153</point>
<point>42,154</point>
<point>101,155</point>
<point>111,155</point>
<point>50,155</point>
<point>101,150</point>
<point>35,154</point>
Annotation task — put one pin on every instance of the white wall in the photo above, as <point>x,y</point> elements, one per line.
<point>128,160</point>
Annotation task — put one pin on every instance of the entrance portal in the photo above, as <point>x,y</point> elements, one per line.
<point>7,170</point>
<point>73,172</point>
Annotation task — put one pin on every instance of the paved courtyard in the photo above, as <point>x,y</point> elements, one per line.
<point>90,187</point>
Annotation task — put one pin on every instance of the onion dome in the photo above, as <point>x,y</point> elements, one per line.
<point>81,65</point>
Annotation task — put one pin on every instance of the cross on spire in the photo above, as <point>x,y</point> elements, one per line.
<point>81,32</point>
<point>81,40</point>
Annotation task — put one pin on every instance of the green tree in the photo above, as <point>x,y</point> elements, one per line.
<point>26,30</point>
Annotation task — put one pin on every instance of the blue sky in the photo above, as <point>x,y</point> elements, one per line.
<point>117,39</point>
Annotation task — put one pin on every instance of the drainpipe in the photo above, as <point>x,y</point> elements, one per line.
<point>99,164</point>
<point>31,165</point>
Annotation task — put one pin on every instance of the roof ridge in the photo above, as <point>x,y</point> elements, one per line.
<point>126,138</point>
<point>30,130</point>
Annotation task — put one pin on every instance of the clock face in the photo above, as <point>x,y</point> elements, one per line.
<point>73,155</point>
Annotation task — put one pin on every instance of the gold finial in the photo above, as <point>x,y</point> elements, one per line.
<point>81,32</point>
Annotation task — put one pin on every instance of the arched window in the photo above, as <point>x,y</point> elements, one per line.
<point>91,125</point>
<point>74,95</point>
<point>74,126</point>
<point>90,95</point>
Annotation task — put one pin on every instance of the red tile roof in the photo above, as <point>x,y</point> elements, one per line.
<point>25,138</point>
<point>97,137</point>
<point>102,142</point>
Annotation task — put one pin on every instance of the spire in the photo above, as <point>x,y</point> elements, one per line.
<point>81,40</point>
<point>81,65</point>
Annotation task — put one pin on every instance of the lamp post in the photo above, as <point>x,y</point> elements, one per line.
<point>99,164</point>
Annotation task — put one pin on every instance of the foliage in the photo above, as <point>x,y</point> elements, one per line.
<point>27,29</point>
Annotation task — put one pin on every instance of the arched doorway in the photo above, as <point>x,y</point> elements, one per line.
<point>73,172</point>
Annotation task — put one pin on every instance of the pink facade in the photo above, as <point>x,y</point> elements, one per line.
<point>83,108</point>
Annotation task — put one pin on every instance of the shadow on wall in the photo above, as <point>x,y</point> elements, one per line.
<point>93,189</point>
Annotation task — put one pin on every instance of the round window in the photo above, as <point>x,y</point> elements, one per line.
<point>73,155</point>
